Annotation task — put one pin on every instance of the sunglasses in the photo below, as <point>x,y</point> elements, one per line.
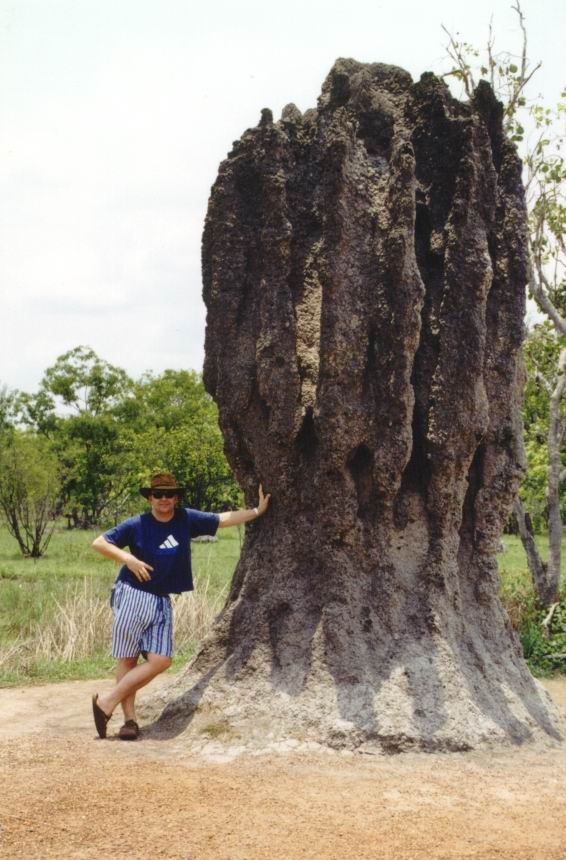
<point>164,494</point>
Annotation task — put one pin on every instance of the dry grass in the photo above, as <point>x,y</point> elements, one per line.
<point>80,626</point>
<point>194,613</point>
<point>14,653</point>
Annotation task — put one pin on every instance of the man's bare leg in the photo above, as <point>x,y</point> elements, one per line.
<point>133,680</point>
<point>125,665</point>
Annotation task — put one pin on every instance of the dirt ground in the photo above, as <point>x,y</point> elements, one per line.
<point>67,794</point>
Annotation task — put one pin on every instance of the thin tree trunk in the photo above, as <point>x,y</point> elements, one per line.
<point>546,575</point>
<point>537,567</point>
<point>13,526</point>
<point>555,526</point>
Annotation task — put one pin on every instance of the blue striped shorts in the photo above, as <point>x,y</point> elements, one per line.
<point>142,622</point>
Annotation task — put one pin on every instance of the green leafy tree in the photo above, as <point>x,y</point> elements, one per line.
<point>38,412</point>
<point>545,174</point>
<point>175,427</point>
<point>85,383</point>
<point>74,409</point>
<point>8,409</point>
<point>168,400</point>
<point>195,456</point>
<point>94,454</point>
<point>109,434</point>
<point>29,489</point>
<point>542,352</point>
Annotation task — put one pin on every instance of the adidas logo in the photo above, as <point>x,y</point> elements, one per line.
<point>169,543</point>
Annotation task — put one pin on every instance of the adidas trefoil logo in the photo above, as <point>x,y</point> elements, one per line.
<point>169,543</point>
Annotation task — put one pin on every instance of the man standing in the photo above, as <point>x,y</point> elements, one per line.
<point>157,565</point>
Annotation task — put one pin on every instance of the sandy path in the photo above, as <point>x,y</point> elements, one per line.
<point>66,794</point>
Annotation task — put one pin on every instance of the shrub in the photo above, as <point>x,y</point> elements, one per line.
<point>28,491</point>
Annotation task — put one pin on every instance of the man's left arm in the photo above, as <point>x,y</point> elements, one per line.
<point>236,518</point>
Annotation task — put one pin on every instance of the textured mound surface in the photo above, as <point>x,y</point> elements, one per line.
<point>364,273</point>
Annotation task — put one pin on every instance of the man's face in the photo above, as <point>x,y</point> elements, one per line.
<point>163,506</point>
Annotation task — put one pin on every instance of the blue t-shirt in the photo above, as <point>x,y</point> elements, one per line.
<point>164,546</point>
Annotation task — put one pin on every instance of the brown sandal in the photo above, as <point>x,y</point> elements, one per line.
<point>129,731</point>
<point>101,719</point>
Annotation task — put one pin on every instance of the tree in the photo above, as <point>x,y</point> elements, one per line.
<point>168,401</point>
<point>364,269</point>
<point>109,434</point>
<point>542,352</point>
<point>96,457</point>
<point>544,420</point>
<point>28,491</point>
<point>7,409</point>
<point>74,409</point>
<point>196,458</point>
<point>179,433</point>
<point>545,175</point>
<point>85,383</point>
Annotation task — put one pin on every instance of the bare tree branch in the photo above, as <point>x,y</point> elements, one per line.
<point>542,380</point>
<point>519,11</point>
<point>540,286</point>
<point>456,54</point>
<point>490,44</point>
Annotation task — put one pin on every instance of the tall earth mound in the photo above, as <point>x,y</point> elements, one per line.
<point>364,273</point>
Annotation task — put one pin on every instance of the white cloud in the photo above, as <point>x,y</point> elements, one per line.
<point>114,119</point>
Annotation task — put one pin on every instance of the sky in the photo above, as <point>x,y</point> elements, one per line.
<point>114,118</point>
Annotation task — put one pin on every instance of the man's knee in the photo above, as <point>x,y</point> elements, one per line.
<point>127,663</point>
<point>159,662</point>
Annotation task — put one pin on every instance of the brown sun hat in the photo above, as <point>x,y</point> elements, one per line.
<point>162,481</point>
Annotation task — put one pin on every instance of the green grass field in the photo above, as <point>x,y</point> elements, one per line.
<point>55,621</point>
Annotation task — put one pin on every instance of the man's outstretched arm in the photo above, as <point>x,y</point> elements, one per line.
<point>236,518</point>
